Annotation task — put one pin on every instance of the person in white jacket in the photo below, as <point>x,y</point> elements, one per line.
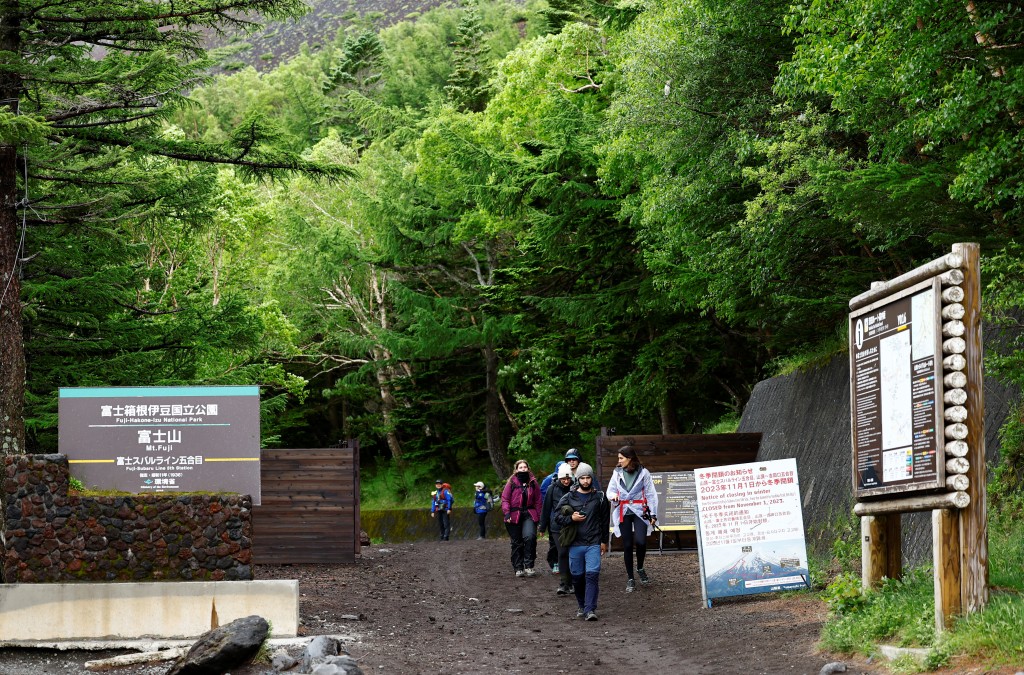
<point>632,495</point>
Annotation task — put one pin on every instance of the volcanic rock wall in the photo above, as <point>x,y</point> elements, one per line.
<point>51,536</point>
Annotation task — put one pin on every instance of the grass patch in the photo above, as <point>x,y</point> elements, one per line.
<point>902,612</point>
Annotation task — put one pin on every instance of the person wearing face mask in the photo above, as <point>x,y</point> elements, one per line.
<point>521,505</point>
<point>633,496</point>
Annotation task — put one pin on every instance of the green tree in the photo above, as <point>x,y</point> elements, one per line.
<point>467,83</point>
<point>84,92</point>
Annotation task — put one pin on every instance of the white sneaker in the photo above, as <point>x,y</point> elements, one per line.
<point>519,573</point>
<point>530,572</point>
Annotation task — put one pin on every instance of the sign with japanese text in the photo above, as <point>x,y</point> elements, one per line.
<point>896,392</point>
<point>677,500</point>
<point>163,439</point>
<point>750,531</point>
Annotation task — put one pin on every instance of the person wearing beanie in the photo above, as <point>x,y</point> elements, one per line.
<point>587,508</point>
<point>521,505</point>
<point>552,477</point>
<point>573,459</point>
<point>482,502</point>
<point>633,499</point>
<point>559,488</point>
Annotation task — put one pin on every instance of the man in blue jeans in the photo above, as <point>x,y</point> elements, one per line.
<point>588,510</point>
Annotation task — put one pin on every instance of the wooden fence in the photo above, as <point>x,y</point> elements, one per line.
<point>310,506</point>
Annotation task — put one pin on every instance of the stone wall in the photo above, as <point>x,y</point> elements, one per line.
<point>806,415</point>
<point>51,536</point>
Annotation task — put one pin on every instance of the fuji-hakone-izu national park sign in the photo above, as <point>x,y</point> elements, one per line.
<point>163,439</point>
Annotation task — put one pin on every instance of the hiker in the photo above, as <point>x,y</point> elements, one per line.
<point>586,510</point>
<point>554,495</point>
<point>482,502</point>
<point>573,459</point>
<point>520,503</point>
<point>552,544</point>
<point>633,499</point>
<point>441,507</point>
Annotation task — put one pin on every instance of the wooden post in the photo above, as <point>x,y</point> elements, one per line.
<point>881,549</point>
<point>946,559</point>
<point>973,520</point>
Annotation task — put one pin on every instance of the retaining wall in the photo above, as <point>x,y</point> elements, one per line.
<point>51,536</point>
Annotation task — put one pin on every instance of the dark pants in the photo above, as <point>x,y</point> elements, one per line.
<point>524,542</point>
<point>481,520</point>
<point>552,549</point>
<point>444,523</point>
<point>634,536</point>
<point>564,576</point>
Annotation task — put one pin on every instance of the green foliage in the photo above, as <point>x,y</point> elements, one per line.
<point>844,594</point>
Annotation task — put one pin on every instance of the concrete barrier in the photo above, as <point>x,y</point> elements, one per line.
<point>103,611</point>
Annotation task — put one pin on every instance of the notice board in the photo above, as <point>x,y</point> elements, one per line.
<point>896,392</point>
<point>163,439</point>
<point>750,534</point>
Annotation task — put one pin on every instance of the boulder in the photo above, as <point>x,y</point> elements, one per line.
<point>223,648</point>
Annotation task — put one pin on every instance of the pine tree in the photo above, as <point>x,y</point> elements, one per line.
<point>467,84</point>
<point>85,89</point>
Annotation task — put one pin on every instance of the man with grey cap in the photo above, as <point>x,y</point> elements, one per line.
<point>587,509</point>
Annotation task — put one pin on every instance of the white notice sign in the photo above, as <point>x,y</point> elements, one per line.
<point>750,531</point>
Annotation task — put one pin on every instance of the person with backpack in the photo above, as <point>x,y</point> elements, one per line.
<point>573,459</point>
<point>520,503</point>
<point>482,502</point>
<point>441,502</point>
<point>585,509</point>
<point>554,495</point>
<point>552,544</point>
<point>633,499</point>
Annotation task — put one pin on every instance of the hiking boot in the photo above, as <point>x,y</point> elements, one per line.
<point>591,616</point>
<point>554,568</point>
<point>519,573</point>
<point>563,590</point>
<point>630,585</point>
<point>530,573</point>
<point>643,577</point>
<point>580,613</point>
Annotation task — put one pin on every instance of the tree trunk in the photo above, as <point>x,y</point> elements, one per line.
<point>12,343</point>
<point>669,420</point>
<point>387,405</point>
<point>495,443</point>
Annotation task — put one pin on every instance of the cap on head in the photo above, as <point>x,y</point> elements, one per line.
<point>564,471</point>
<point>438,481</point>
<point>584,469</point>
<point>573,453</point>
<point>479,485</point>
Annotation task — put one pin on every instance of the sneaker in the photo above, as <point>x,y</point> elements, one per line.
<point>630,585</point>
<point>554,568</point>
<point>580,613</point>
<point>530,573</point>
<point>563,590</point>
<point>643,577</point>
<point>591,616</point>
<point>519,573</point>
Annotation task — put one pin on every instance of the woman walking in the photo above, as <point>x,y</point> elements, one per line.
<point>481,505</point>
<point>632,495</point>
<point>520,502</point>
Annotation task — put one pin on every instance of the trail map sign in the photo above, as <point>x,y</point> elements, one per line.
<point>163,439</point>
<point>750,531</point>
<point>896,392</point>
<point>677,500</point>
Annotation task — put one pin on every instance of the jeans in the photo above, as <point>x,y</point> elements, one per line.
<point>524,542</point>
<point>585,566</point>
<point>481,520</point>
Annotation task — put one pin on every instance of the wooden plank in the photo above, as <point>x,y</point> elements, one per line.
<point>946,565</point>
<point>879,534</point>
<point>973,521</point>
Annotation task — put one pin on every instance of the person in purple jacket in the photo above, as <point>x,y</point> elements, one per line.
<point>521,504</point>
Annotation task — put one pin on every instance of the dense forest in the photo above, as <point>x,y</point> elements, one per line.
<point>496,228</point>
